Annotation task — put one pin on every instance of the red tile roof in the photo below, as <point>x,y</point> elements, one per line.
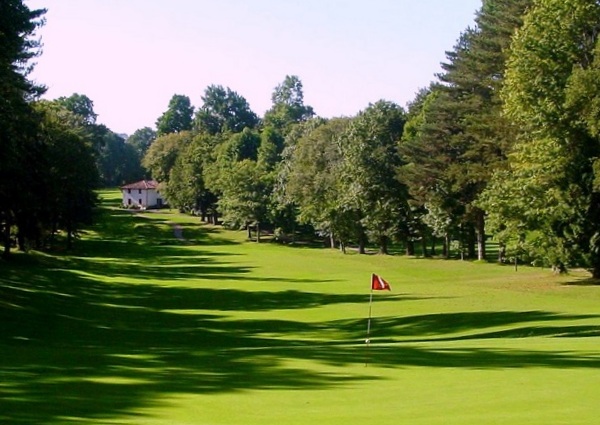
<point>142,184</point>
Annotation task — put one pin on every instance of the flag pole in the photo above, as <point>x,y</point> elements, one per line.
<point>377,284</point>
<point>369,321</point>
<point>368,341</point>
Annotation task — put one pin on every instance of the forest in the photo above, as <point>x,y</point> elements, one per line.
<point>502,146</point>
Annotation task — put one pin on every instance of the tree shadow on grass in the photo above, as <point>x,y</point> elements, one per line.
<point>400,355</point>
<point>473,325</point>
<point>75,349</point>
<point>584,282</point>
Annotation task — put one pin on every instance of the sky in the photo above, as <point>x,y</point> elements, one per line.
<point>131,56</point>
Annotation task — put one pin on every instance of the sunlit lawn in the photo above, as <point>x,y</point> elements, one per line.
<point>138,327</point>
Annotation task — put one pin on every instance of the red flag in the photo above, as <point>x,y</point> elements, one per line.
<point>378,284</point>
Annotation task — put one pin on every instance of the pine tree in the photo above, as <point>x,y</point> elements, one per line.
<point>463,136</point>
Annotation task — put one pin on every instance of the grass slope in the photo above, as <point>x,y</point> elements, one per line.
<point>139,327</point>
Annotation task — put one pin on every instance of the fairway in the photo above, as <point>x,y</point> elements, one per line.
<point>138,326</point>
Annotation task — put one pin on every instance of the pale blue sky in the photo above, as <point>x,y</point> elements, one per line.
<point>131,56</point>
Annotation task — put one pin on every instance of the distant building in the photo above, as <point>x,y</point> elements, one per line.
<point>142,195</point>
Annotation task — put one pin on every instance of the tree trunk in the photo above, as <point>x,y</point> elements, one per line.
<point>257,232</point>
<point>53,233</point>
<point>361,246</point>
<point>6,237</point>
<point>424,247</point>
<point>249,231</point>
<point>501,252</point>
<point>410,247</point>
<point>69,236</point>
<point>446,249</point>
<point>480,231</point>
<point>433,252</point>
<point>596,271</point>
<point>559,268</point>
<point>362,241</point>
<point>21,241</point>
<point>471,242</point>
<point>383,245</point>
<point>331,241</point>
<point>294,231</point>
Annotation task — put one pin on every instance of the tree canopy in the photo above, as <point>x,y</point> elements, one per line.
<point>224,110</point>
<point>503,143</point>
<point>178,116</point>
<point>546,204</point>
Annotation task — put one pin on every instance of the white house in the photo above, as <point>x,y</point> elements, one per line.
<point>143,194</point>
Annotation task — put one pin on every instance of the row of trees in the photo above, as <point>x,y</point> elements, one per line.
<point>53,154</point>
<point>504,143</point>
<point>39,154</point>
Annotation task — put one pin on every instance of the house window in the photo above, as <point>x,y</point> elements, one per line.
<point>140,191</point>
<point>129,201</point>
<point>140,202</point>
<point>128,190</point>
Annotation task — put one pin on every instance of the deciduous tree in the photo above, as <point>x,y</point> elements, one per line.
<point>163,152</point>
<point>288,105</point>
<point>178,116</point>
<point>370,160</point>
<point>546,202</point>
<point>224,110</point>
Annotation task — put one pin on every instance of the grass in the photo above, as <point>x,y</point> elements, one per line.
<point>138,327</point>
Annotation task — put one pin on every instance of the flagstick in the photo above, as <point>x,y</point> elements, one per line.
<point>368,341</point>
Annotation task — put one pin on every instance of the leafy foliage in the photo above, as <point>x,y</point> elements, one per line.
<point>288,105</point>
<point>370,159</point>
<point>224,110</point>
<point>141,140</point>
<point>20,150</point>
<point>552,208</point>
<point>163,152</point>
<point>177,118</point>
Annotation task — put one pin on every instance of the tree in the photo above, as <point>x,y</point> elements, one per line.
<point>371,158</point>
<point>420,182</point>
<point>546,203</point>
<point>186,189</point>
<point>80,105</point>
<point>270,148</point>
<point>141,139</point>
<point>163,152</point>
<point>313,180</point>
<point>224,110</point>
<point>118,161</point>
<point>241,183</point>
<point>429,150</point>
<point>243,145</point>
<point>177,118</point>
<point>244,196</point>
<point>19,149</point>
<point>288,105</point>
<point>461,136</point>
<point>69,169</point>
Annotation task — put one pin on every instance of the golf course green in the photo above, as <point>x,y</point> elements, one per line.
<point>156,318</point>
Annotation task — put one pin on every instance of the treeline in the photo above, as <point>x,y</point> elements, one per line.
<point>503,144</point>
<point>53,154</point>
